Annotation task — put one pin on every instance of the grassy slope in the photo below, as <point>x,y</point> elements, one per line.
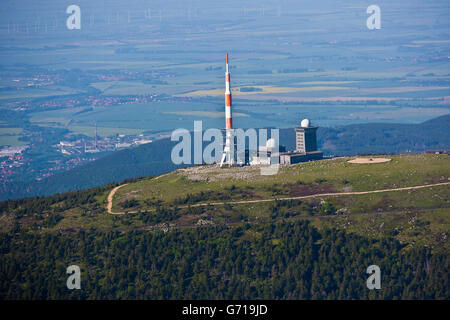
<point>336,174</point>
<point>413,216</point>
<point>419,217</point>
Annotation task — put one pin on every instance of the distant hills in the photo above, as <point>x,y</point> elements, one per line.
<point>154,158</point>
<point>354,139</point>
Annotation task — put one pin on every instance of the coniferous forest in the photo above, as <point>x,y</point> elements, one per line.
<point>266,261</point>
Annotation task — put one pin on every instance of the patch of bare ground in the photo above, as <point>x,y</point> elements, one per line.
<point>347,189</point>
<point>214,173</point>
<point>130,195</point>
<point>68,230</point>
<point>6,221</point>
<point>384,204</point>
<point>28,221</point>
<point>190,219</point>
<point>310,189</point>
<point>436,179</point>
<point>369,160</point>
<point>165,227</point>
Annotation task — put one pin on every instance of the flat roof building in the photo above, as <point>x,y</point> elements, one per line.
<point>305,145</point>
<point>296,157</point>
<point>305,137</point>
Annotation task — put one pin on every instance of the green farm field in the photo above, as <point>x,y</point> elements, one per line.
<point>11,136</point>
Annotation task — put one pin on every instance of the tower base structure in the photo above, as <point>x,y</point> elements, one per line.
<point>229,151</point>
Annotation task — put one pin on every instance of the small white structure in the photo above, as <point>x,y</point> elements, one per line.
<point>123,145</point>
<point>142,141</point>
<point>265,153</point>
<point>305,123</point>
<point>66,144</point>
<point>64,151</point>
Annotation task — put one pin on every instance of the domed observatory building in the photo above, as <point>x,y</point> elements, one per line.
<point>305,137</point>
<point>305,145</point>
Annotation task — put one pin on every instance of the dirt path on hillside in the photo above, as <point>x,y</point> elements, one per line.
<point>110,198</point>
<point>334,194</point>
<point>113,192</point>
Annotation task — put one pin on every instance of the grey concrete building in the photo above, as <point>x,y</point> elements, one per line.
<point>305,145</point>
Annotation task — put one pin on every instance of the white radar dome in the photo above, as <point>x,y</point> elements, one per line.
<point>270,143</point>
<point>304,123</point>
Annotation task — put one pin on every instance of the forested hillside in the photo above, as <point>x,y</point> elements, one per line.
<point>232,234</point>
<point>275,261</point>
<point>386,138</point>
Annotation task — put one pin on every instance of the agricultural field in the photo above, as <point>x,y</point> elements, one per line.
<point>288,53</point>
<point>133,73</point>
<point>31,93</point>
<point>123,88</point>
<point>11,136</point>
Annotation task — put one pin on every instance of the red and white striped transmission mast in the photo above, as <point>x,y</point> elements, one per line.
<point>228,151</point>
